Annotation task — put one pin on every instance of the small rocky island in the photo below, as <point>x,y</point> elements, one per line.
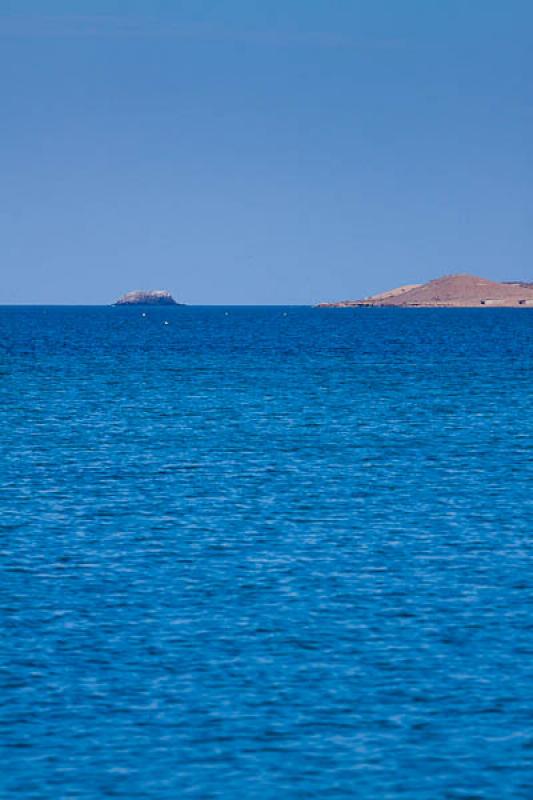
<point>146,298</point>
<point>451,291</point>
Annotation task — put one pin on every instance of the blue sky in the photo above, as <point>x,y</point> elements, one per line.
<point>282,151</point>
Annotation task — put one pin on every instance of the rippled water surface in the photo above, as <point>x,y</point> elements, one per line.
<point>265,553</point>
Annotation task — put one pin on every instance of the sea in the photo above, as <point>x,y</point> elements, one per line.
<point>266,552</point>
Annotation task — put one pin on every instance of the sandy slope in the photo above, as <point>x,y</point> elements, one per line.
<point>461,291</point>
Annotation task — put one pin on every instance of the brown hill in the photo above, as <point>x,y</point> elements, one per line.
<point>455,291</point>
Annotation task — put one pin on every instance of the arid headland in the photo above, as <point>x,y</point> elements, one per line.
<point>450,291</point>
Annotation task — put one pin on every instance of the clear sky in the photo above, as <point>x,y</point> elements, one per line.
<point>262,151</point>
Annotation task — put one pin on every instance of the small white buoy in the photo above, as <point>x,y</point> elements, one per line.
<point>226,313</point>
<point>144,313</point>
<point>166,322</point>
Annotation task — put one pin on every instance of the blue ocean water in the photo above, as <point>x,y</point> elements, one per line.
<point>265,553</point>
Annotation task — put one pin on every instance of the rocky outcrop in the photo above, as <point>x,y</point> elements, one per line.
<point>451,291</point>
<point>145,298</point>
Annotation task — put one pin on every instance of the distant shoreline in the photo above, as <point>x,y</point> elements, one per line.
<point>450,291</point>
